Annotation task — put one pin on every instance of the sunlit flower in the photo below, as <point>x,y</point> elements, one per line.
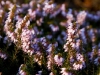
<point>59,60</point>
<point>81,17</point>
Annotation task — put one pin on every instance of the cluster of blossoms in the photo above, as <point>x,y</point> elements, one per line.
<point>64,72</point>
<point>58,60</point>
<point>21,72</point>
<point>21,36</point>
<point>1,22</point>
<point>80,62</point>
<point>3,55</point>
<point>9,28</point>
<point>46,41</point>
<point>73,45</point>
<point>26,38</point>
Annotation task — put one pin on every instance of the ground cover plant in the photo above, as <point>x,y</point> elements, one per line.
<point>41,37</point>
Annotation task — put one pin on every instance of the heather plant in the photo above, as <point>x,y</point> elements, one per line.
<point>44,38</point>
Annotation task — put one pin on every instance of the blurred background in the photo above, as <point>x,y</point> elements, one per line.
<point>90,5</point>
